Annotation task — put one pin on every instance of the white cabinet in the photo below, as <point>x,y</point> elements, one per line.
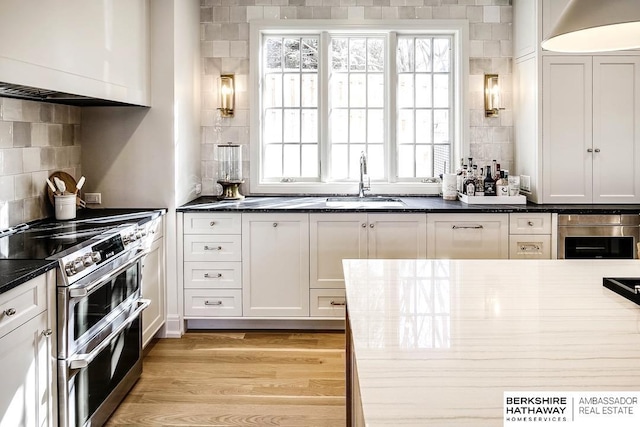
<point>576,117</point>
<point>468,236</point>
<point>275,265</point>
<point>212,268</point>
<point>334,237</point>
<point>591,129</point>
<point>91,48</point>
<point>26,359</point>
<point>530,235</point>
<point>154,287</point>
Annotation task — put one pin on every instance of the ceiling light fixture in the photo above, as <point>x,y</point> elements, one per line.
<point>596,26</point>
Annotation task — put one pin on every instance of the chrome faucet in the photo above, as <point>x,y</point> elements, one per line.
<point>362,187</point>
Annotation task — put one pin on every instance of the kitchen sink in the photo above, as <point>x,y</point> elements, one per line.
<point>364,202</point>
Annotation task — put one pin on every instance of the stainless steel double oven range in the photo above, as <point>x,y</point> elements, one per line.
<point>99,307</point>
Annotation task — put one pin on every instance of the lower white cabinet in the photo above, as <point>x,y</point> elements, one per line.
<point>275,265</point>
<point>213,302</point>
<point>468,236</point>
<point>154,288</point>
<point>27,395</point>
<point>328,302</point>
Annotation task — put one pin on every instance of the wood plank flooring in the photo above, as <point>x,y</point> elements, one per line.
<point>210,378</point>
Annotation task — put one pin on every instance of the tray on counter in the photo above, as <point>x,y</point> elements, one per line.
<point>493,200</point>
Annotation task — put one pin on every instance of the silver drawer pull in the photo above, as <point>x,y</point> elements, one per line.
<point>473,227</point>
<point>364,225</point>
<point>10,311</point>
<point>47,333</point>
<point>212,223</point>
<point>530,223</point>
<point>338,303</point>
<point>529,246</point>
<point>210,276</point>
<point>212,248</point>
<point>213,303</point>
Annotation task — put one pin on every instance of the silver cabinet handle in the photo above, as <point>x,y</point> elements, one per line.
<point>47,333</point>
<point>530,223</point>
<point>589,150</point>
<point>209,276</point>
<point>597,150</point>
<point>275,224</point>
<point>213,302</point>
<point>10,311</point>
<point>80,361</point>
<point>474,227</point>
<point>212,223</point>
<point>529,246</point>
<point>364,225</point>
<point>372,225</point>
<point>338,303</point>
<point>212,248</point>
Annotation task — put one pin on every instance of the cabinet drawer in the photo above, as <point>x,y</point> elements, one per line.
<point>218,223</point>
<point>327,302</point>
<point>530,223</point>
<point>212,248</point>
<point>212,302</point>
<point>22,303</point>
<point>533,246</point>
<point>213,275</point>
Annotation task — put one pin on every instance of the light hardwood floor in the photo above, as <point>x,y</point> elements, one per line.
<point>240,379</point>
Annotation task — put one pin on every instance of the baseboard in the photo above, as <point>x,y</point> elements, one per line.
<point>270,324</point>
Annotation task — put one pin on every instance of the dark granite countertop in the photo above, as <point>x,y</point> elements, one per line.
<point>14,272</point>
<point>428,204</point>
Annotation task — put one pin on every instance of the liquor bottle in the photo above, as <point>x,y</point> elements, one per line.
<point>470,184</point>
<point>480,183</point>
<point>496,172</point>
<point>489,183</point>
<point>502,185</point>
<point>459,178</point>
<point>462,178</point>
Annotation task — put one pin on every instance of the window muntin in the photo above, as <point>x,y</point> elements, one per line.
<point>455,30</point>
<point>290,108</point>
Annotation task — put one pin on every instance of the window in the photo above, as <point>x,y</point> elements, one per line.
<point>326,92</point>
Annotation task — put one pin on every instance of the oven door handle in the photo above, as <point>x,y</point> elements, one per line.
<point>79,361</point>
<point>83,291</point>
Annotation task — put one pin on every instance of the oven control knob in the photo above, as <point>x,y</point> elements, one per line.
<point>87,260</point>
<point>68,268</point>
<point>78,265</point>
<point>95,257</point>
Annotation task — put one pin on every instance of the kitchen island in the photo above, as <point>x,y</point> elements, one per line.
<point>438,342</point>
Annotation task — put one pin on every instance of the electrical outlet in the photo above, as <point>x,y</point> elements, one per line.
<point>198,189</point>
<point>93,198</point>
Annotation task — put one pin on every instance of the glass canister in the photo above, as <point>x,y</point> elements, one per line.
<point>229,163</point>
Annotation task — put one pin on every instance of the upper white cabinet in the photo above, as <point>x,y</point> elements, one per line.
<point>468,236</point>
<point>576,117</point>
<point>275,264</point>
<point>91,48</point>
<point>590,132</point>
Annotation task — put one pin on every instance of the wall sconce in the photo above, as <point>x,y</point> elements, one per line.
<point>227,95</point>
<point>491,95</point>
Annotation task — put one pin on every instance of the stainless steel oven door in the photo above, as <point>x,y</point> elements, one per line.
<point>92,382</point>
<point>598,241</point>
<point>87,306</point>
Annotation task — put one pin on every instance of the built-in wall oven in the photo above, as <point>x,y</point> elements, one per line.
<point>598,236</point>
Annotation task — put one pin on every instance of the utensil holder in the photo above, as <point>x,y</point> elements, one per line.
<point>65,206</point>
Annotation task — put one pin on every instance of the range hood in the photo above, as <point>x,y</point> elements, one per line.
<point>9,90</point>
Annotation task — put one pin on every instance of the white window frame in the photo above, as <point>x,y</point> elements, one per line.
<point>458,29</point>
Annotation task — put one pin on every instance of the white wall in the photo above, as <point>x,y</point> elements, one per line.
<point>150,157</point>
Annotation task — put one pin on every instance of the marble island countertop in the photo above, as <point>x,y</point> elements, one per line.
<point>438,342</point>
<point>432,204</point>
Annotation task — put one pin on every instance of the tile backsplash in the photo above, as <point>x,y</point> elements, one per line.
<point>36,139</point>
<point>225,49</point>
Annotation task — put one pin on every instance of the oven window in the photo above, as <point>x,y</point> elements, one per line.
<point>94,383</point>
<point>90,310</point>
<point>599,247</point>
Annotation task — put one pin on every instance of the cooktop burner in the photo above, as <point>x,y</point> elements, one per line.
<point>49,238</point>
